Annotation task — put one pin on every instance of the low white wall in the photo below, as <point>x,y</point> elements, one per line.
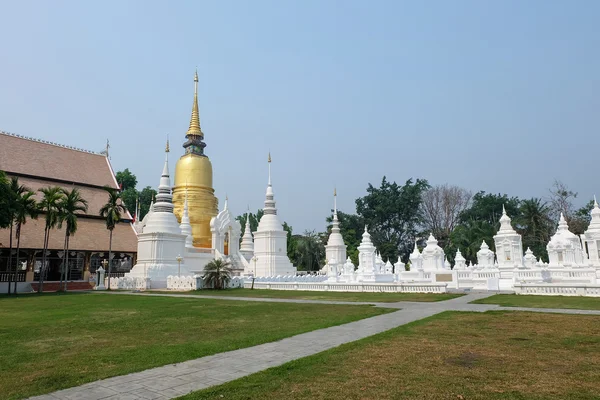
<point>22,287</point>
<point>553,289</point>
<point>351,287</point>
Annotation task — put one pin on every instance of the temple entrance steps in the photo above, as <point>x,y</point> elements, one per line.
<point>54,286</point>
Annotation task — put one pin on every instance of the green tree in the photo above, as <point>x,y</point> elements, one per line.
<point>25,207</point>
<point>146,196</point>
<point>468,238</point>
<point>12,194</point>
<point>4,201</point>
<point>309,254</point>
<point>488,207</point>
<point>254,219</point>
<point>49,205</point>
<point>581,218</point>
<point>126,179</point>
<point>393,215</point>
<point>535,224</point>
<point>217,274</point>
<point>111,212</point>
<point>71,206</point>
<point>129,198</point>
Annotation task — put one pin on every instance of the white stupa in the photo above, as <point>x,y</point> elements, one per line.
<point>592,236</point>
<point>416,259</point>
<point>509,246</point>
<point>161,240</point>
<point>270,240</point>
<point>247,245</point>
<point>185,226</point>
<point>335,250</point>
<point>485,257</point>
<point>564,248</point>
<point>433,256</point>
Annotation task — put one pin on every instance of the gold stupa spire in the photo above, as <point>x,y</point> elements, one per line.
<point>194,129</point>
<point>167,149</point>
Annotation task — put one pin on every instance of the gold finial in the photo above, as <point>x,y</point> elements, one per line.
<point>167,147</point>
<point>269,156</point>
<point>335,191</point>
<point>194,129</point>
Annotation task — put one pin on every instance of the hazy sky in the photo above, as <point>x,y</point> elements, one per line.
<point>499,96</point>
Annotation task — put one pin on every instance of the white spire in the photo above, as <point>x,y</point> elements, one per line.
<point>247,241</point>
<point>186,227</point>
<point>269,168</point>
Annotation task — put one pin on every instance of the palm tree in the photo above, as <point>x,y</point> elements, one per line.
<point>536,225</point>
<point>4,201</point>
<point>111,212</point>
<point>49,205</point>
<point>13,193</point>
<point>71,204</point>
<point>25,207</point>
<point>217,274</point>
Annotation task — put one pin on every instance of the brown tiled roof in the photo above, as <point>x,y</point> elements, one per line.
<point>91,235</point>
<point>24,156</point>
<point>96,197</point>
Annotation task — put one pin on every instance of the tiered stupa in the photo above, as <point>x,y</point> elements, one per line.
<point>193,173</point>
<point>335,249</point>
<point>270,240</point>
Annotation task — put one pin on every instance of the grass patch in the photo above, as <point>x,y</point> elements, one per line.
<point>54,341</point>
<point>331,296</point>
<point>492,355</point>
<point>514,300</point>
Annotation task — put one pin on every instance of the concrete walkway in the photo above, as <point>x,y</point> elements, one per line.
<point>175,380</point>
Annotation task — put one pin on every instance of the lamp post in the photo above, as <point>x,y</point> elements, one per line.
<point>104,264</point>
<point>254,258</point>
<point>179,259</point>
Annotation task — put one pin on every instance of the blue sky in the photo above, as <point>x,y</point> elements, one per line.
<point>497,96</point>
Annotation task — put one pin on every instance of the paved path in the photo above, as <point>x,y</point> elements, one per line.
<point>175,380</point>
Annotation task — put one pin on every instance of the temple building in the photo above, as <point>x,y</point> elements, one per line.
<point>39,164</point>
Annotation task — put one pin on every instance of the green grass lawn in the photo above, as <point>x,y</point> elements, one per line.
<point>513,300</point>
<point>55,341</point>
<point>492,355</point>
<point>333,296</point>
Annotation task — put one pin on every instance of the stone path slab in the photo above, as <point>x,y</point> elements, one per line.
<point>175,380</point>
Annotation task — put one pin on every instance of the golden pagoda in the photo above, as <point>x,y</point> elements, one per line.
<point>193,173</point>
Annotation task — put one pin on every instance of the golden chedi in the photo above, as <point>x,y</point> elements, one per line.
<point>193,173</point>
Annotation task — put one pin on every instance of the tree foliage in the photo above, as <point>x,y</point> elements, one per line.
<point>309,251</point>
<point>126,179</point>
<point>393,215</point>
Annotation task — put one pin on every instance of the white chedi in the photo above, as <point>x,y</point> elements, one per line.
<point>416,259</point>
<point>529,260</point>
<point>348,267</point>
<point>459,261</point>
<point>186,226</point>
<point>366,255</point>
<point>592,236</point>
<point>433,255</point>
<point>161,241</point>
<point>335,248</point>
<point>247,245</point>
<point>270,240</point>
<point>564,248</point>
<point>485,257</point>
<point>509,246</point>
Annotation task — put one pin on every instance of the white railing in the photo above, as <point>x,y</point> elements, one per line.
<point>182,283</point>
<point>351,287</point>
<point>554,289</point>
<point>128,283</point>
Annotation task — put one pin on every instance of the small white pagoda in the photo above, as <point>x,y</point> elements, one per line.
<point>564,248</point>
<point>270,241</point>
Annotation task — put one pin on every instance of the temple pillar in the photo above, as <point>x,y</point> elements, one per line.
<point>87,261</point>
<point>30,265</point>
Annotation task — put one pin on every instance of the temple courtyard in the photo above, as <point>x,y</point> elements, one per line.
<point>242,344</point>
